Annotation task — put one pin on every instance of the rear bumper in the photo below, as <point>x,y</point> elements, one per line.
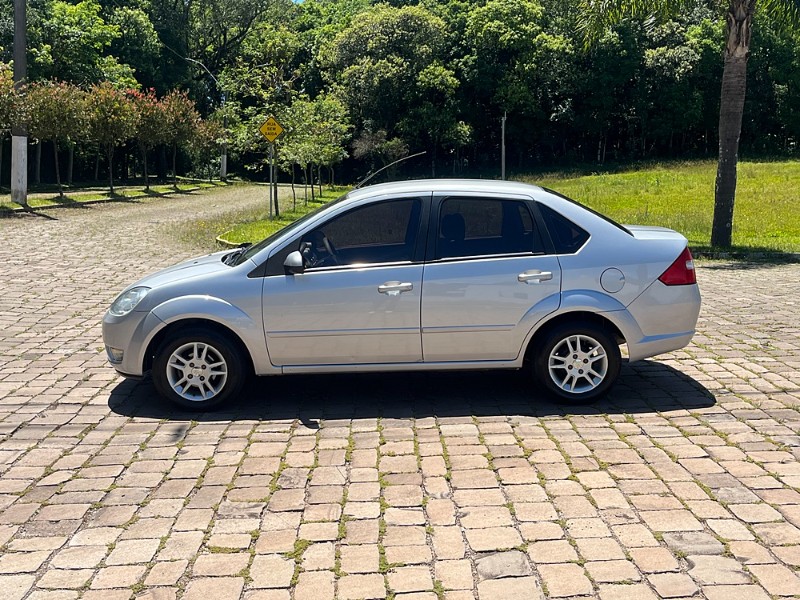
<point>659,344</point>
<point>666,317</point>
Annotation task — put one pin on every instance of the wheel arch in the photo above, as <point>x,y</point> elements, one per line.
<point>597,319</point>
<point>176,327</point>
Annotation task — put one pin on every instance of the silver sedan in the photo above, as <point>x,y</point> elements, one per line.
<point>431,274</point>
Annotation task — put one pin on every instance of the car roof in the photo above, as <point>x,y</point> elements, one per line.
<point>444,185</point>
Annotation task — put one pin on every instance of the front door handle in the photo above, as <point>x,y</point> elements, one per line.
<point>534,276</point>
<point>395,288</point>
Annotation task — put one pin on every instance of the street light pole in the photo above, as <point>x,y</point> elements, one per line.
<point>19,133</point>
<point>503,149</point>
<point>223,152</point>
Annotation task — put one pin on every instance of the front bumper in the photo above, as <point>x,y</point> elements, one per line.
<point>129,336</point>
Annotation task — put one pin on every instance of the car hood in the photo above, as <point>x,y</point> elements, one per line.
<point>194,267</point>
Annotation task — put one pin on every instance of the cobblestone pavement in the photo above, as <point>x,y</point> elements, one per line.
<point>459,486</point>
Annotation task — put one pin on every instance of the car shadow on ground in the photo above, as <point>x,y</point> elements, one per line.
<point>646,387</point>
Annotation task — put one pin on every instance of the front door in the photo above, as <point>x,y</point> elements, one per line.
<point>358,300</point>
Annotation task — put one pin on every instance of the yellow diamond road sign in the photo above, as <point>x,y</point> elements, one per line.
<point>271,129</point>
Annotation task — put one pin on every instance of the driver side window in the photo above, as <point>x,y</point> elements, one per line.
<point>383,232</point>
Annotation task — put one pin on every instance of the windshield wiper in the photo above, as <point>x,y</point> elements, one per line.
<point>231,258</point>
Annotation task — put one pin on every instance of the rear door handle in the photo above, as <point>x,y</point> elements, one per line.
<point>395,288</point>
<point>534,276</point>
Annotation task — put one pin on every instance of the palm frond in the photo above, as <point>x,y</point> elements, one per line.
<point>596,16</point>
<point>784,13</point>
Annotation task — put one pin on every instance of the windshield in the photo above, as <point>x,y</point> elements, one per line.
<point>251,251</point>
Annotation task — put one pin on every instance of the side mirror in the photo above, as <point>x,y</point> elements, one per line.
<point>294,263</point>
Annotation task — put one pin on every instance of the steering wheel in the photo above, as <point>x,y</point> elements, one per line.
<point>330,249</point>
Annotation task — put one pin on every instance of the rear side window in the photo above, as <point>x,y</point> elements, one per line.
<point>481,227</point>
<point>567,237</point>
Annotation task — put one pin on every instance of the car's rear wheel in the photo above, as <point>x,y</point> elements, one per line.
<point>199,369</point>
<point>577,362</point>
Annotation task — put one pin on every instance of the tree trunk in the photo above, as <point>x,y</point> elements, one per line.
<point>58,173</point>
<point>70,163</point>
<point>162,163</point>
<point>305,185</point>
<point>734,86</point>
<point>319,179</point>
<point>37,173</point>
<point>144,169</point>
<point>311,177</point>
<point>97,167</point>
<point>110,154</point>
<point>2,143</point>
<point>174,168</point>
<point>294,193</point>
<point>125,164</point>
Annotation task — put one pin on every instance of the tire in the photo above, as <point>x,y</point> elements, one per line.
<point>567,348</point>
<point>181,378</point>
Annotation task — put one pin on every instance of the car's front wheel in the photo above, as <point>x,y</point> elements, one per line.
<point>577,362</point>
<point>199,369</point>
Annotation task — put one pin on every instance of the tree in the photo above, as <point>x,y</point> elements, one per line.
<point>70,42</point>
<point>111,121</point>
<point>379,59</point>
<point>205,145</point>
<point>151,125</point>
<point>181,120</point>
<point>56,113</point>
<point>738,16</point>
<point>8,103</point>
<point>137,44</point>
<point>331,129</point>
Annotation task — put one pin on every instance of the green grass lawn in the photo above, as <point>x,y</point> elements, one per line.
<point>681,197</point>
<point>76,196</point>
<point>253,226</point>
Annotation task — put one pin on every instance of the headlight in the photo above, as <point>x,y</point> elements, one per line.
<point>127,301</point>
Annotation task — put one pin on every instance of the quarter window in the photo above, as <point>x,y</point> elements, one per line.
<point>567,237</point>
<point>480,227</point>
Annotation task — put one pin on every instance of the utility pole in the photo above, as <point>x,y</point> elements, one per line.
<point>223,159</point>
<point>503,147</point>
<point>19,133</point>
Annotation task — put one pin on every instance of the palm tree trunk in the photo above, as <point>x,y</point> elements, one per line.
<point>734,86</point>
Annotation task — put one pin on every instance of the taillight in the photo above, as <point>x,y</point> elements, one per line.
<point>681,272</point>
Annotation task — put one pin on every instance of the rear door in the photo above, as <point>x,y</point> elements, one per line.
<point>487,270</point>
